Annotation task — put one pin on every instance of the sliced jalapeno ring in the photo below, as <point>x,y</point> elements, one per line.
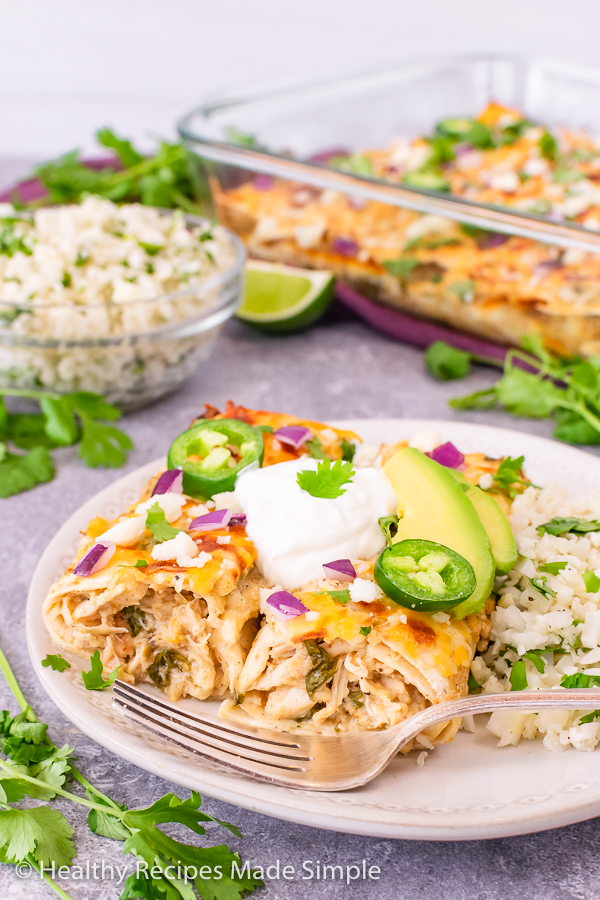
<point>424,575</point>
<point>212,453</point>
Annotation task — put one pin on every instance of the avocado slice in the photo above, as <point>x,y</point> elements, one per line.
<point>433,506</point>
<point>504,546</point>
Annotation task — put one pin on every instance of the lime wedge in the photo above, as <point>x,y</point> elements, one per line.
<point>284,298</point>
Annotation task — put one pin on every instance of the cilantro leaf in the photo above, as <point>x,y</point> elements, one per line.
<point>445,362</point>
<point>536,659</point>
<point>103,445</point>
<point>41,831</point>
<point>340,596</point>
<point>540,585</point>
<point>580,680</point>
<point>508,475</point>
<point>548,146</point>
<point>57,663</point>
<point>525,394</point>
<point>105,824</point>
<point>553,568</point>
<point>324,667</point>
<point>402,267</point>
<point>472,684</point>
<point>170,808</point>
<point>60,424</point>
<point>464,289</point>
<point>21,473</point>
<point>584,720</point>
<point>327,482</point>
<point>348,450</point>
<point>574,429</point>
<point>558,526</point>
<point>518,676</point>
<point>591,581</point>
<point>93,679</point>
<point>126,153</point>
<point>156,523</point>
<point>315,447</point>
<point>389,528</point>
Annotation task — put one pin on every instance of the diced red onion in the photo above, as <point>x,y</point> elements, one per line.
<point>263,182</point>
<point>98,556</point>
<point>238,519</point>
<point>345,246</point>
<point>495,240</point>
<point>218,518</point>
<point>293,435</point>
<point>170,482</point>
<point>447,455</point>
<point>547,267</point>
<point>326,156</point>
<point>286,606</point>
<point>461,149</point>
<point>357,202</point>
<point>340,569</point>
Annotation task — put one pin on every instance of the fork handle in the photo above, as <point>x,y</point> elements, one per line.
<point>582,698</point>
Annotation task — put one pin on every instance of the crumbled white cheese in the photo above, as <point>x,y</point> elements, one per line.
<point>227,500</point>
<point>363,591</point>
<point>171,504</point>
<point>328,434</point>
<point>310,235</point>
<point>200,510</point>
<point>425,441</point>
<point>441,617</point>
<point>223,539</point>
<point>227,564</point>
<point>486,481</point>
<point>503,181</point>
<point>536,166</point>
<point>186,562</point>
<point>312,615</point>
<point>421,759</point>
<point>125,533</point>
<point>429,224</point>
<point>179,546</point>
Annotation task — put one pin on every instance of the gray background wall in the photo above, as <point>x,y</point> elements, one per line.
<point>69,66</point>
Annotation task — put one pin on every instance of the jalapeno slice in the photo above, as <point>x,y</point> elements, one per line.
<point>212,453</point>
<point>424,575</point>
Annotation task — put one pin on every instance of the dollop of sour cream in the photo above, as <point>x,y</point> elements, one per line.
<point>295,533</point>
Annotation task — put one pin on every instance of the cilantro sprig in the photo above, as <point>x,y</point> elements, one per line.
<point>63,420</point>
<point>536,384</point>
<point>164,179</point>
<point>93,679</point>
<point>56,662</point>
<point>157,525</point>
<point>33,768</point>
<point>329,479</point>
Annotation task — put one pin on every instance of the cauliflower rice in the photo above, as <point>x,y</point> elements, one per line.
<point>92,297</point>
<point>563,629</point>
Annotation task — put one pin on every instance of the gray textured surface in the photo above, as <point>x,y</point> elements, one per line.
<point>338,370</point>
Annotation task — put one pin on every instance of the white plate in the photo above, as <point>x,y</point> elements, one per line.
<point>468,789</point>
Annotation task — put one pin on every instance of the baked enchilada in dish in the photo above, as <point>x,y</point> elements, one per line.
<point>494,285</point>
<point>279,565</point>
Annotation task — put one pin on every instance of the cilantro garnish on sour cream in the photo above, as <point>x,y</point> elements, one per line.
<point>328,481</point>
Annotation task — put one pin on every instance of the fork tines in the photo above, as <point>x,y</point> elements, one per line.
<point>217,740</point>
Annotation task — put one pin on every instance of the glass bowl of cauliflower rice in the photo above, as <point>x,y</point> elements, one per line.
<point>123,301</point>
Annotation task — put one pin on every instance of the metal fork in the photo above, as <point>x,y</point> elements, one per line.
<point>311,761</point>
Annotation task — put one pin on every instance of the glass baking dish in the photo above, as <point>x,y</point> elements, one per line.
<point>267,155</point>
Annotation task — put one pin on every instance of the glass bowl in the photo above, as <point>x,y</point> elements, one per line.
<point>130,352</point>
